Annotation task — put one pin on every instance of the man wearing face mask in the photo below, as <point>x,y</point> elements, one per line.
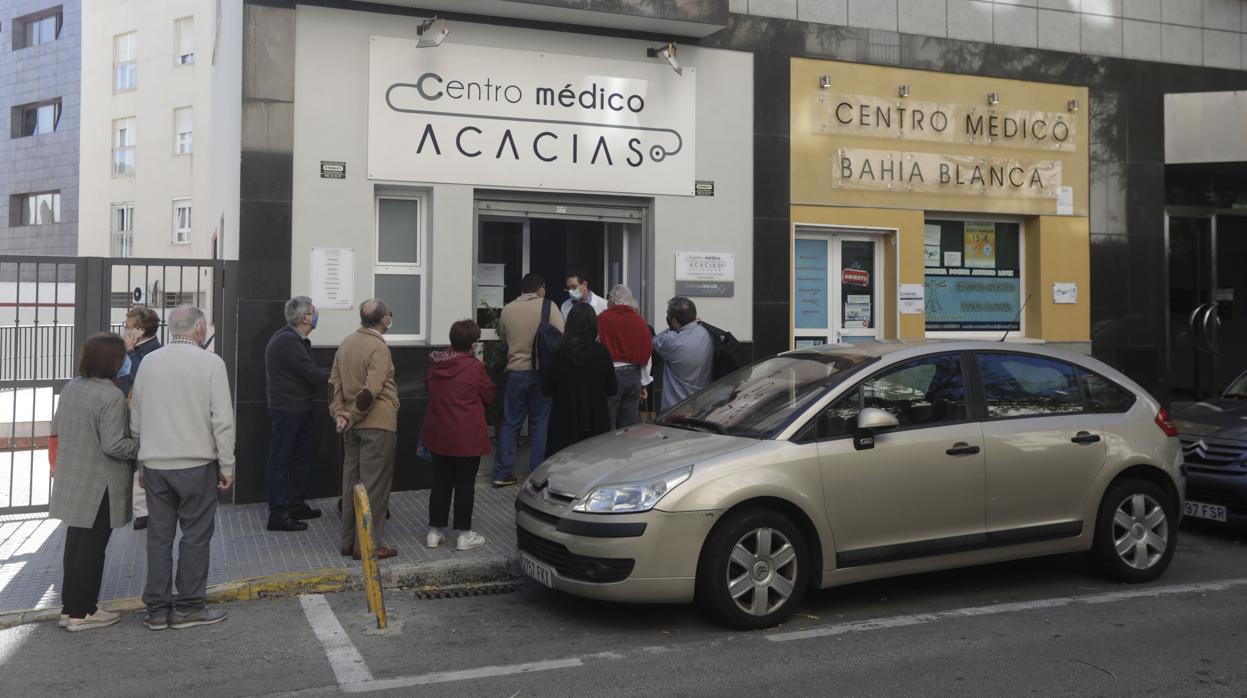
<point>578,291</point>
<point>141,340</point>
<point>181,405</point>
<point>293,380</point>
<point>363,401</point>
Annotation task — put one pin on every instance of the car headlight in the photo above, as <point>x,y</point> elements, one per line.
<point>633,497</point>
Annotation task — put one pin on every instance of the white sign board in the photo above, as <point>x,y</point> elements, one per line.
<point>705,274</point>
<point>913,299</point>
<point>504,117</point>
<point>332,276</point>
<point>488,274</point>
<point>1065,293</point>
<point>490,296</point>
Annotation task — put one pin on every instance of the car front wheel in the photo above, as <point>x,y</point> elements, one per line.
<point>1136,531</point>
<point>754,569</point>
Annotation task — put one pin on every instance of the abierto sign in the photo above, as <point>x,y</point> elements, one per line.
<point>503,117</point>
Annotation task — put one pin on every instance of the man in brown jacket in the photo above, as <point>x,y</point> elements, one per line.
<point>363,401</point>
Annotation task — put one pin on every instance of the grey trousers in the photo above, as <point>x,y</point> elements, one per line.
<point>186,497</point>
<point>625,405</point>
<point>369,459</point>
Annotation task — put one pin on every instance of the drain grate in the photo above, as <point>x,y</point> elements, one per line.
<point>459,591</point>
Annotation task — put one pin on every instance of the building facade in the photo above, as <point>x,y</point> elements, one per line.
<point>147,147</point>
<point>40,41</point>
<point>845,170</point>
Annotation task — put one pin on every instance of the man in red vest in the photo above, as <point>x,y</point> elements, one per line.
<point>623,332</point>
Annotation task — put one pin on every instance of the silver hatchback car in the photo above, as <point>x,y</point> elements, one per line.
<point>833,465</point>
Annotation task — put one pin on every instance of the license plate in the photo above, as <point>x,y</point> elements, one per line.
<point>538,571</point>
<point>1200,510</point>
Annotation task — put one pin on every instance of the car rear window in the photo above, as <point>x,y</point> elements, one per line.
<point>1103,395</point>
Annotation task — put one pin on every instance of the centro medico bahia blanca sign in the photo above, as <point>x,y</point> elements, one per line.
<point>503,117</point>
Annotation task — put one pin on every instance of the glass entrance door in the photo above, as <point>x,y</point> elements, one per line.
<point>1207,313</point>
<point>836,289</point>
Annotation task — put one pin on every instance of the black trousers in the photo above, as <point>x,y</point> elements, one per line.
<point>457,476</point>
<point>289,460</point>
<point>84,564</point>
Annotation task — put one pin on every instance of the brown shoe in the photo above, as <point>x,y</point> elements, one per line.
<point>382,553</point>
<point>348,551</point>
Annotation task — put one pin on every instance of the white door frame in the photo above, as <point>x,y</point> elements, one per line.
<point>833,235</point>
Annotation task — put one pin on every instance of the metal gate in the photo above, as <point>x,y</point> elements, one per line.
<point>48,307</point>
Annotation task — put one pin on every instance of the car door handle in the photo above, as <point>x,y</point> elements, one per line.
<point>962,449</point>
<point>1084,437</point>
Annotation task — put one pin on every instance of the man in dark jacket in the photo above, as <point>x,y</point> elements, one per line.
<point>140,337</point>
<point>293,380</point>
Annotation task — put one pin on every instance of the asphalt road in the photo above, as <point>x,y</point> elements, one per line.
<point>1038,627</point>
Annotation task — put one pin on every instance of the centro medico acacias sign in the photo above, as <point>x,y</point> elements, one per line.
<point>502,117</point>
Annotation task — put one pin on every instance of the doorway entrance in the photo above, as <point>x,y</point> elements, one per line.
<point>514,239</point>
<point>1207,253</point>
<point>837,284</point>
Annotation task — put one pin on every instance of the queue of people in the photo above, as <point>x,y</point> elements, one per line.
<point>159,445</point>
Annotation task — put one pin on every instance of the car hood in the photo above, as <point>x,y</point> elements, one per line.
<point>1221,418</point>
<point>635,454</point>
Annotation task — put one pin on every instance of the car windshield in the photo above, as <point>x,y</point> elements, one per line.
<point>757,400</point>
<point>1238,389</point>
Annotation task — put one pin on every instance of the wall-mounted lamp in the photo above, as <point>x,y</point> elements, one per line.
<point>903,91</point>
<point>993,98</point>
<point>667,52</point>
<point>431,39</point>
<point>824,81</point>
<point>1072,105</point>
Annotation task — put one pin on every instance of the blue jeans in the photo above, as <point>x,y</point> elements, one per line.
<point>521,398</point>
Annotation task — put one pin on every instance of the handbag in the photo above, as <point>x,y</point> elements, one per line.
<point>54,444</point>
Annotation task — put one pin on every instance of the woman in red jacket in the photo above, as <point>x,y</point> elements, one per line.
<point>455,433</point>
<point>630,341</point>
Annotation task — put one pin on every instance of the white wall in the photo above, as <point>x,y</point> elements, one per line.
<point>224,110</point>
<point>330,123</point>
<point>160,175</point>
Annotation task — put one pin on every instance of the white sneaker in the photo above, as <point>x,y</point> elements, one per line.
<point>64,621</point>
<point>99,619</point>
<point>469,540</point>
<point>435,537</point>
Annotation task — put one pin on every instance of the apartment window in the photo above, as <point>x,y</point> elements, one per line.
<point>125,49</point>
<point>35,119</point>
<point>398,271</point>
<point>181,221</point>
<point>123,230</point>
<point>41,208</point>
<point>182,144</point>
<point>38,28</point>
<point>184,41</point>
<point>123,147</point>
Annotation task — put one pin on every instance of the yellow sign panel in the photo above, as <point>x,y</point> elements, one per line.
<point>951,143</point>
<point>980,245</point>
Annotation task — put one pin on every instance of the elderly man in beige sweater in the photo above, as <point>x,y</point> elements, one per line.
<point>182,407</point>
<point>363,401</point>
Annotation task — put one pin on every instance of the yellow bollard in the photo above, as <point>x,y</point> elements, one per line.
<point>368,555</point>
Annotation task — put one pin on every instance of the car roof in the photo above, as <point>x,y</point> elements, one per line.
<point>904,348</point>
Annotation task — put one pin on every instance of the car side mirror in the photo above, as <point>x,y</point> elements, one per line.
<point>872,421</point>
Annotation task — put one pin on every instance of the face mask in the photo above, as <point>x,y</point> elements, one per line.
<point>315,319</point>
<point>575,294</point>
<point>125,368</point>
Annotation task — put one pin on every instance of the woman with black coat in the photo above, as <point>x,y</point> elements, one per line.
<point>579,379</point>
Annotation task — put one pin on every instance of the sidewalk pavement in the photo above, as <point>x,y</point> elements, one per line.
<point>249,561</point>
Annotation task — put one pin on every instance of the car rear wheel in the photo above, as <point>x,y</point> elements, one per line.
<point>754,569</point>
<point>1136,531</point>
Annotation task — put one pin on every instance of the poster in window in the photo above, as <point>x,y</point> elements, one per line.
<point>972,303</point>
<point>980,245</point>
<point>856,311</point>
<point>810,287</point>
<point>931,245</point>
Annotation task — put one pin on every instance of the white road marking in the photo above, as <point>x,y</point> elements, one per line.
<point>994,609</point>
<point>464,675</point>
<point>348,665</point>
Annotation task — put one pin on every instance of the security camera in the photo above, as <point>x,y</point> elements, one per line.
<point>667,52</point>
<point>428,39</point>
